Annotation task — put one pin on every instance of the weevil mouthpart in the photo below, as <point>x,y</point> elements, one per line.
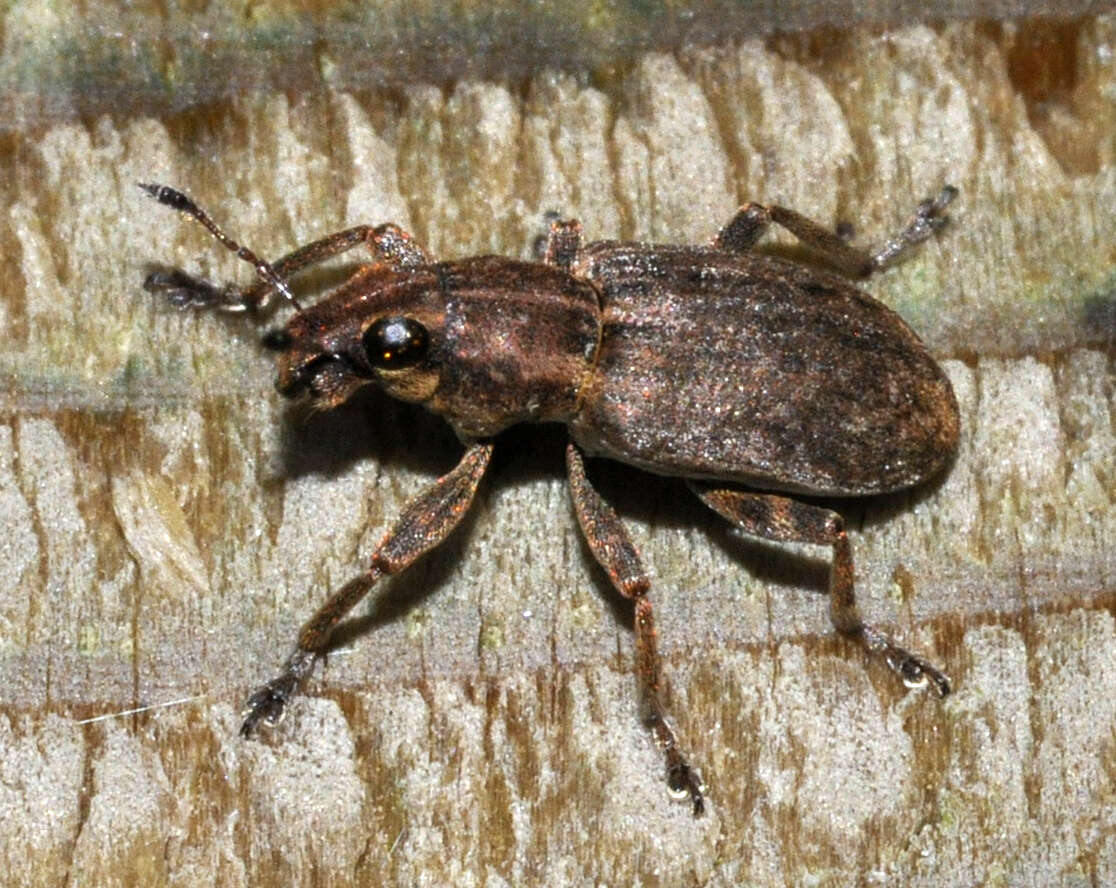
<point>276,340</point>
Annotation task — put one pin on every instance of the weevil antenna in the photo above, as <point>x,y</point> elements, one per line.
<point>176,200</point>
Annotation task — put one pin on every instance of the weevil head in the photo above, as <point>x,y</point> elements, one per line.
<point>485,342</point>
<point>383,326</point>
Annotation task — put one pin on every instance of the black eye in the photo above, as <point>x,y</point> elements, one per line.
<point>395,342</point>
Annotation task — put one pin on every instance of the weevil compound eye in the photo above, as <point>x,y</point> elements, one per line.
<point>395,342</point>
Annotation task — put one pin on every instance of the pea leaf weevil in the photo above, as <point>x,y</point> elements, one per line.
<point>716,364</point>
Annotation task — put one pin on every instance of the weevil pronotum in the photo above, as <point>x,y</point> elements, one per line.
<point>753,377</point>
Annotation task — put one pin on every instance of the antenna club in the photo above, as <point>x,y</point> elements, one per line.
<point>168,196</point>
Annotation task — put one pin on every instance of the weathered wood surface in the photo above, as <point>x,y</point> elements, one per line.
<point>167,524</point>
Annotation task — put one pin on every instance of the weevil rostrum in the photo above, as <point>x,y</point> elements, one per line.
<point>753,377</point>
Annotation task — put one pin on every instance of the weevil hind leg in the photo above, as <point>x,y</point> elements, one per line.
<point>614,551</point>
<point>782,519</point>
<point>424,522</point>
<point>750,222</point>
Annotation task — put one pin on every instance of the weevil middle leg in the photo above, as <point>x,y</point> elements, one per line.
<point>614,550</point>
<point>786,520</point>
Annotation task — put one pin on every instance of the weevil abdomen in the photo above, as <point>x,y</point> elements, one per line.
<point>747,368</point>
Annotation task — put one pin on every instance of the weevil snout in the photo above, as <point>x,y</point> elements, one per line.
<point>329,367</point>
<point>325,378</point>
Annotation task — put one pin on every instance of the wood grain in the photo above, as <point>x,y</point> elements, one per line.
<point>168,523</point>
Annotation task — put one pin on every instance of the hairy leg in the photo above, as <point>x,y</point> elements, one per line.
<point>613,549</point>
<point>745,228</point>
<point>783,519</point>
<point>424,523</point>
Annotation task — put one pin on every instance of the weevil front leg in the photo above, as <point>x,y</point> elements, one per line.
<point>388,243</point>
<point>786,520</point>
<point>613,549</point>
<point>745,228</point>
<point>424,523</point>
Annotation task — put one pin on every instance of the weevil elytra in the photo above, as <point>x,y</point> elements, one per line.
<point>753,377</point>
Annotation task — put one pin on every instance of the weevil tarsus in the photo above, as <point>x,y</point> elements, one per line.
<point>183,290</point>
<point>929,217</point>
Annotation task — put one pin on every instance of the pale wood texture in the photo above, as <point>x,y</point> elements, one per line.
<point>167,525</point>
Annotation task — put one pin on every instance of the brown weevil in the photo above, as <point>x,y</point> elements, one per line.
<point>753,377</point>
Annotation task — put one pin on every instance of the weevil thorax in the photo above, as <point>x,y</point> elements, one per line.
<point>486,342</point>
<point>519,341</point>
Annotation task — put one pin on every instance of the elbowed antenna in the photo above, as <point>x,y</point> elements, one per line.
<point>176,200</point>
